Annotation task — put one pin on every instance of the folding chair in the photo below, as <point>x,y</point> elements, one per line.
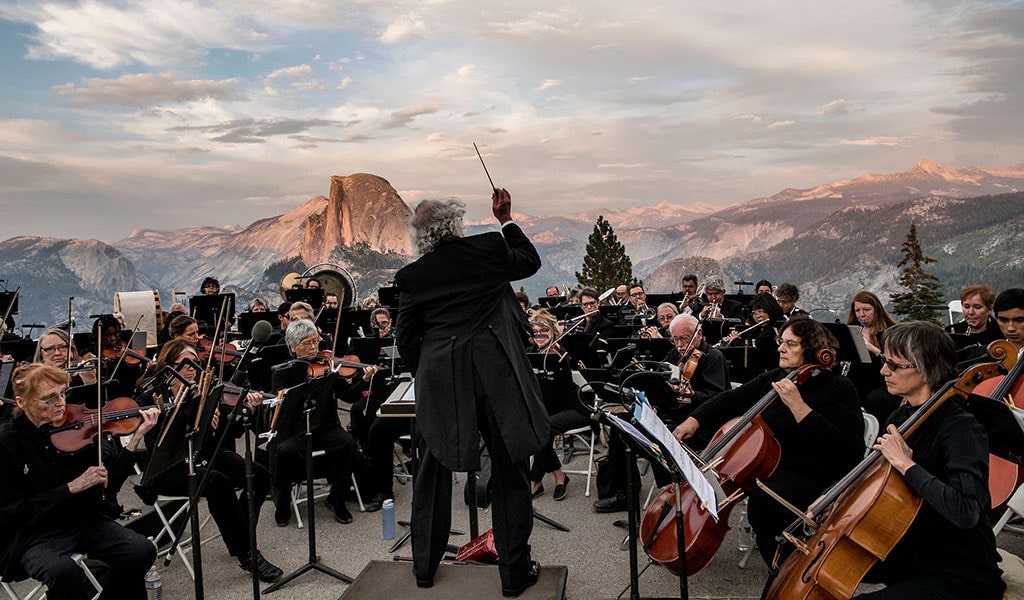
<point>39,590</point>
<point>299,493</point>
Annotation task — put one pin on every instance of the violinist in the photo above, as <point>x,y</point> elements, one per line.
<point>380,323</point>
<point>708,375</point>
<point>867,311</point>
<point>949,551</point>
<point>53,348</point>
<point>184,328</point>
<point>819,428</point>
<point>228,508</point>
<point>565,412</point>
<point>303,310</point>
<point>1009,309</point>
<point>52,504</point>
<point>120,374</point>
<point>288,458</point>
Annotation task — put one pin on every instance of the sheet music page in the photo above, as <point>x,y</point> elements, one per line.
<point>632,432</point>
<point>649,420</point>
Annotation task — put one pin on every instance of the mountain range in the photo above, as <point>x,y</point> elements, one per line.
<point>831,240</point>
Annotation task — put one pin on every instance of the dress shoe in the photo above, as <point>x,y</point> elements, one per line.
<point>425,583</point>
<point>616,503</point>
<point>538,492</point>
<point>339,510</point>
<point>375,503</point>
<point>283,512</point>
<point>532,575</point>
<point>561,489</point>
<point>265,570</point>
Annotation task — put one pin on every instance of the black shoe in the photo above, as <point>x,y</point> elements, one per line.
<point>561,489</point>
<point>616,503</point>
<point>265,570</point>
<point>532,575</point>
<point>283,512</point>
<point>375,503</point>
<point>339,509</point>
<point>538,492</point>
<point>425,583</point>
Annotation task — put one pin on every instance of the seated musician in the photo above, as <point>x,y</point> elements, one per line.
<point>867,311</point>
<point>763,287</point>
<point>331,302</point>
<point>787,294</point>
<point>380,323</point>
<point>690,300</point>
<point>53,348</point>
<point>819,428</point>
<point>764,309</point>
<point>210,287</point>
<point>303,310</point>
<point>665,312</point>
<point>288,457</point>
<point>229,509</point>
<point>710,376</point>
<point>621,295</point>
<point>949,550</point>
<point>258,305</point>
<point>718,306</point>
<point>54,504</point>
<point>595,323</point>
<point>1009,309</point>
<point>978,322</point>
<point>123,379</point>
<point>184,328</point>
<point>565,411</point>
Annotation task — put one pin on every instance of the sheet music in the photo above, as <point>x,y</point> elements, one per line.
<point>656,429</point>
<point>633,432</point>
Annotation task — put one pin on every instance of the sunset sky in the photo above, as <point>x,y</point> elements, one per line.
<point>165,113</point>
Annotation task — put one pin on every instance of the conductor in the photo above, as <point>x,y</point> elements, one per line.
<point>463,335</point>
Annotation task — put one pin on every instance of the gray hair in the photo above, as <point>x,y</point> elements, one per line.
<point>298,331</point>
<point>715,283</point>
<point>436,221</point>
<point>926,345</point>
<point>301,306</point>
<point>62,334</point>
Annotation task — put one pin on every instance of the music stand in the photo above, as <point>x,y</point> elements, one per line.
<point>6,370</point>
<point>655,349</point>
<point>745,362</point>
<point>263,360</point>
<point>1005,426</point>
<point>387,296</point>
<point>655,300</point>
<point>248,319</point>
<point>20,350</point>
<point>568,311</point>
<point>716,329</point>
<point>301,407</point>
<point>588,348</point>
<point>549,301</point>
<point>207,308</point>
<point>9,300</point>
<point>369,349</point>
<point>314,297</point>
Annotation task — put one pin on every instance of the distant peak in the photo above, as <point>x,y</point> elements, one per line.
<point>933,167</point>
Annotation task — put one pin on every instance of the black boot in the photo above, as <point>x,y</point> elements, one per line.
<point>265,570</point>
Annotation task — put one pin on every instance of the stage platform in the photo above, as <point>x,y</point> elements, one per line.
<point>394,579</point>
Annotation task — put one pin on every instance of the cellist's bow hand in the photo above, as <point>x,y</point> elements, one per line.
<point>686,429</point>
<point>895,449</point>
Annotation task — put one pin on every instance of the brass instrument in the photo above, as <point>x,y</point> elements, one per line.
<point>334,278</point>
<point>687,299</point>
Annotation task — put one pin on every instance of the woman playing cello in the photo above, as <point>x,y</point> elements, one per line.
<point>819,428</point>
<point>949,550</point>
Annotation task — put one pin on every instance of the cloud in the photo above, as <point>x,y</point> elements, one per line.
<point>636,80</point>
<point>402,31</point>
<point>344,83</point>
<point>257,131</point>
<point>836,107</point>
<point>403,117</point>
<point>780,124</point>
<point>872,141</point>
<point>548,84</point>
<point>301,77</point>
<point>146,89</point>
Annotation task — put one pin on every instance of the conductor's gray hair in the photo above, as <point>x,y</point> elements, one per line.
<point>435,221</point>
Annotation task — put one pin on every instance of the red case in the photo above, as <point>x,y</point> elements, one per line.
<point>479,550</point>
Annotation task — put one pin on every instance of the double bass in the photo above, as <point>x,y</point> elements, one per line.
<point>743,451</point>
<point>862,517</point>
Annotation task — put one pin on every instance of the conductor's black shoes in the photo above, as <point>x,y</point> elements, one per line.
<point>532,575</point>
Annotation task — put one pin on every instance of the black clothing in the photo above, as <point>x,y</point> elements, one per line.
<point>600,324</point>
<point>949,550</point>
<point>815,453</point>
<point>990,334</point>
<point>41,520</point>
<point>564,413</point>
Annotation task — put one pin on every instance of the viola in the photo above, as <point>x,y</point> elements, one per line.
<point>862,517</point>
<point>325,362</point>
<point>741,452</point>
<point>120,417</point>
<point>1004,477</point>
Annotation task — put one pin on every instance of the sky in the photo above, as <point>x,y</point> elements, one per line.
<point>163,114</point>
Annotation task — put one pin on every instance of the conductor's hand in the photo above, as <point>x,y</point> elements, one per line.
<point>92,476</point>
<point>501,205</point>
<point>686,429</point>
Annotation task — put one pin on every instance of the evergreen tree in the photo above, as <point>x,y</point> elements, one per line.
<point>924,288</point>
<point>606,264</point>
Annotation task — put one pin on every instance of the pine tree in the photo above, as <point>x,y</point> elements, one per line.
<point>924,288</point>
<point>606,264</point>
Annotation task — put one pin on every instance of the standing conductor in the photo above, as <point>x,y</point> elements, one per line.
<point>462,333</point>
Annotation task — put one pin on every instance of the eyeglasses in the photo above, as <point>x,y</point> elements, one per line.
<point>792,344</point>
<point>590,303</point>
<point>55,398</point>
<point>637,294</point>
<point>57,348</point>
<point>895,366</point>
<point>682,339</point>
<point>308,343</point>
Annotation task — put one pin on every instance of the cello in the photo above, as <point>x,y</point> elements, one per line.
<point>862,517</point>
<point>1004,477</point>
<point>741,452</point>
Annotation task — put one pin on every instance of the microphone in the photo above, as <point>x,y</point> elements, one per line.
<point>260,334</point>
<point>607,294</point>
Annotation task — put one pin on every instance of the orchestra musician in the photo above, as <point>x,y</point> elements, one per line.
<point>380,323</point>
<point>709,376</point>
<point>184,328</point>
<point>565,412</point>
<point>462,334</point>
<point>595,323</point>
<point>53,504</point>
<point>787,294</point>
<point>819,428</point>
<point>228,508</point>
<point>978,322</point>
<point>122,381</point>
<point>210,287</point>
<point>1009,309</point>
<point>949,551</point>
<point>665,312</point>
<point>867,311</point>
<point>690,299</point>
<point>288,458</point>
<point>52,349</point>
<point>725,308</point>
<point>764,309</point>
<point>763,287</point>
<point>258,305</point>
<point>621,295</point>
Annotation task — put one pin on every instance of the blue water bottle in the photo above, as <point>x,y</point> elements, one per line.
<point>387,519</point>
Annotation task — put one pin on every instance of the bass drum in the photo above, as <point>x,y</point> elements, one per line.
<point>335,279</point>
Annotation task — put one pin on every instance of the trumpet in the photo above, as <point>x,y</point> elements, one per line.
<point>687,299</point>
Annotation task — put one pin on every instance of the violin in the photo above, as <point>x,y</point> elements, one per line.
<point>120,417</point>
<point>225,353</point>
<point>862,517</point>
<point>130,357</point>
<point>686,371</point>
<point>232,392</point>
<point>741,452</point>
<point>325,362</point>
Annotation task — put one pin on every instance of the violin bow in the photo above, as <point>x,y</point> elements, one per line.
<point>71,302</point>
<point>124,351</point>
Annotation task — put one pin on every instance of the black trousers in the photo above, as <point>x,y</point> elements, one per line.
<point>546,460</point>
<point>768,518</point>
<point>288,461</point>
<point>511,514</point>
<point>911,589</point>
<point>383,433</point>
<point>129,555</point>
<point>230,511</point>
